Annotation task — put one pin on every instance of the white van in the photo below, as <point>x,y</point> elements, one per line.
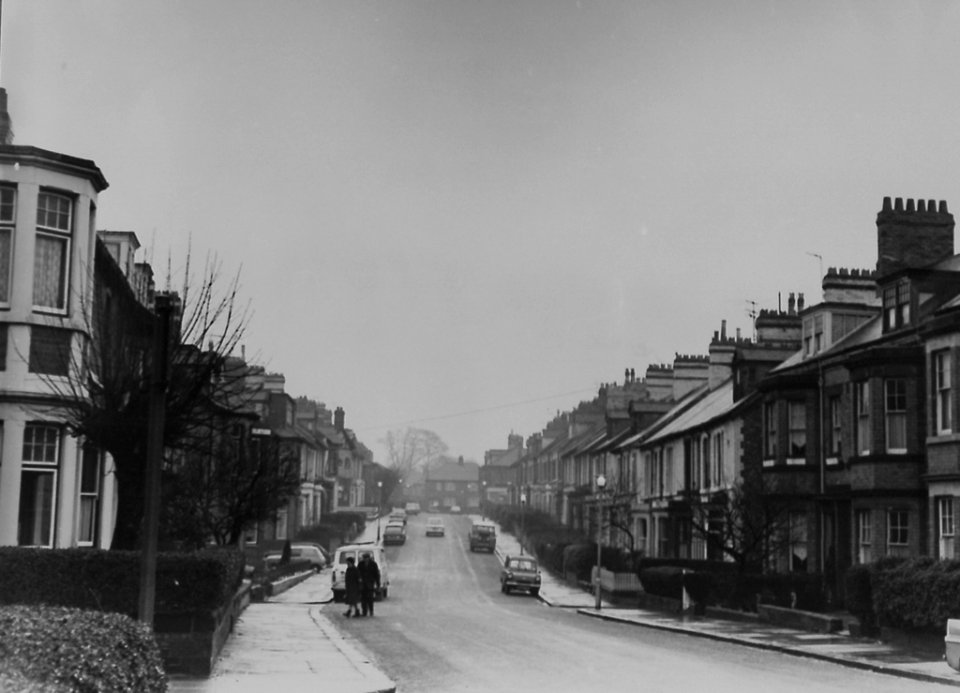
<point>356,551</point>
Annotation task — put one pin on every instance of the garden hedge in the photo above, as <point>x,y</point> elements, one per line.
<point>49,649</point>
<point>187,582</point>
<point>920,594</point>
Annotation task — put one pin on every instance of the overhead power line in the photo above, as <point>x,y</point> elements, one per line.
<point>471,412</point>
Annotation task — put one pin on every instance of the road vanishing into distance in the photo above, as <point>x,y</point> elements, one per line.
<point>446,627</point>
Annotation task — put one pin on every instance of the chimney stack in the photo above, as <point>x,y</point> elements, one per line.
<point>338,419</point>
<point>914,236</point>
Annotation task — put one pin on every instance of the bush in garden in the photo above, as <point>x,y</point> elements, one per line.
<point>63,649</point>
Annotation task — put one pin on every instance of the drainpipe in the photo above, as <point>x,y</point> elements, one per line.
<point>823,475</point>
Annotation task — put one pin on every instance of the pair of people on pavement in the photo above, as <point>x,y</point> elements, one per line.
<point>362,582</point>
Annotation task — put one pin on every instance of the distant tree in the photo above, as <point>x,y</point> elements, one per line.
<point>218,494</point>
<point>412,448</point>
<point>104,391</point>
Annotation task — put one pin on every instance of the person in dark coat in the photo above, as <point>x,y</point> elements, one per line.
<point>352,583</point>
<point>369,582</point>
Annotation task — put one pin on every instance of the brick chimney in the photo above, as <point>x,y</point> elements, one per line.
<point>338,419</point>
<point>6,124</point>
<point>722,353</point>
<point>912,235</point>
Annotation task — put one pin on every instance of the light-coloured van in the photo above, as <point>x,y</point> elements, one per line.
<point>356,551</point>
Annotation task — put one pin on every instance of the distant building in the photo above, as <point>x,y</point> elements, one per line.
<point>452,484</point>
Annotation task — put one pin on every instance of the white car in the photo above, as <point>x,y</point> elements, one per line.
<point>435,526</point>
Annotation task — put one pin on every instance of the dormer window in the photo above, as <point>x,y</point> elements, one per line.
<point>896,306</point>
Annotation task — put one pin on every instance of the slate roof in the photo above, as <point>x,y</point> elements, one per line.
<point>454,471</point>
<point>712,406</point>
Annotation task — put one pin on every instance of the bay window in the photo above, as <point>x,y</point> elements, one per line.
<point>861,396</point>
<point>90,474</point>
<point>51,262</point>
<point>944,385</point>
<point>797,416</point>
<point>8,213</point>
<point>895,406</point>
<point>946,528</point>
<point>864,523</point>
<point>38,484</point>
<point>898,530</point>
<point>770,431</point>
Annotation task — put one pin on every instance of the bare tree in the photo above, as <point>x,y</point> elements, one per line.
<point>240,482</point>
<point>747,523</point>
<point>412,448</point>
<point>102,388</point>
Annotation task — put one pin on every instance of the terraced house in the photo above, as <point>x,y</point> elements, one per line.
<point>845,409</point>
<point>858,425</point>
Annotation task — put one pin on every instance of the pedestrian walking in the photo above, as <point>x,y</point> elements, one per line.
<point>352,583</point>
<point>369,582</point>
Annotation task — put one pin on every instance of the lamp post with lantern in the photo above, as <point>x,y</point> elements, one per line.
<point>483,500</point>
<point>601,483</point>
<point>379,507</point>
<point>523,502</point>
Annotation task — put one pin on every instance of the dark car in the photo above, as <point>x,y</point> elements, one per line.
<point>483,536</point>
<point>394,534</point>
<point>520,573</point>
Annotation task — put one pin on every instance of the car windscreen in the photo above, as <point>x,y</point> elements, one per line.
<point>393,529</point>
<point>344,555</point>
<point>484,531</point>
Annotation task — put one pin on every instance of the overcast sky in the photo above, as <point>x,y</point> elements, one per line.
<point>466,215</point>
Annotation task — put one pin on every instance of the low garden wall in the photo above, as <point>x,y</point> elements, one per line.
<point>191,643</point>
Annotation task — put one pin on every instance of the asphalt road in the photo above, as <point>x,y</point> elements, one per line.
<point>446,627</point>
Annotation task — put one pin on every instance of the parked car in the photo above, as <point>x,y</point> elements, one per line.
<point>398,514</point>
<point>455,509</point>
<point>356,551</point>
<point>412,508</point>
<point>316,556</point>
<point>435,526</point>
<point>483,536</point>
<point>521,573</point>
<point>394,534</point>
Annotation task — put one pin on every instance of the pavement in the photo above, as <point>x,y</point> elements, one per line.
<point>289,644</point>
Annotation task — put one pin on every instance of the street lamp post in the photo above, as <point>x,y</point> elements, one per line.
<point>523,502</point>
<point>483,501</point>
<point>601,483</point>
<point>379,507</point>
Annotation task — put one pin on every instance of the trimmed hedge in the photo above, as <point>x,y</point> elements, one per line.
<point>60,649</point>
<point>187,582</point>
<point>920,594</point>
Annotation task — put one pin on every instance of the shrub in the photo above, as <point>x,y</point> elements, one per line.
<point>71,649</point>
<point>187,582</point>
